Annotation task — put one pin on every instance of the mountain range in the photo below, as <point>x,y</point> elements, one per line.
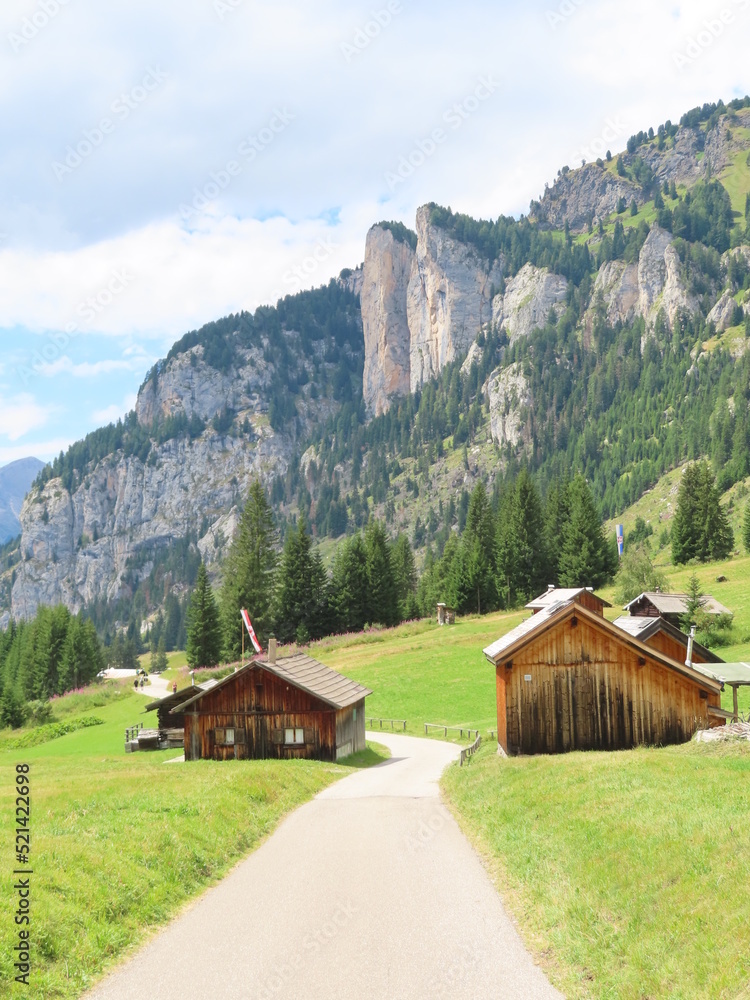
<point>606,331</point>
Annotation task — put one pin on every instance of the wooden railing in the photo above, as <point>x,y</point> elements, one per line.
<point>465,754</point>
<point>393,722</point>
<point>453,729</point>
<point>131,733</point>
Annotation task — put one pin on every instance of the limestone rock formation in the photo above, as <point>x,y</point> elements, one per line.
<point>584,195</point>
<point>508,392</point>
<point>448,299</point>
<point>528,298</point>
<point>616,291</point>
<point>387,269</point>
<point>722,313</point>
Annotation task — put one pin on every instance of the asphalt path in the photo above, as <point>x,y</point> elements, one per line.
<point>368,891</point>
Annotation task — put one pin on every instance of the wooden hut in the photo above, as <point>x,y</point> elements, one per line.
<point>568,679</point>
<point>667,638</point>
<point>282,707</point>
<point>672,607</point>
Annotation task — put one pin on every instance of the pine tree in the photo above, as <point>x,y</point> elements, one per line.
<point>203,629</point>
<point>383,597</point>
<point>405,576</point>
<point>556,517</point>
<point>249,574</point>
<point>302,603</point>
<point>700,529</point>
<point>161,657</point>
<point>349,587</point>
<point>528,571</point>
<point>474,570</point>
<point>693,605</point>
<point>585,559</point>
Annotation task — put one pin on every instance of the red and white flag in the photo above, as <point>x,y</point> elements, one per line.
<point>251,631</point>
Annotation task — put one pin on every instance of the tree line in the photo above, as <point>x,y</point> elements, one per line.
<point>54,653</point>
<point>513,545</point>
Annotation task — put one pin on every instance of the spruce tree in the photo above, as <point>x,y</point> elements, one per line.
<point>349,586</point>
<point>701,529</point>
<point>530,571</point>
<point>405,576</point>
<point>686,523</point>
<point>556,517</point>
<point>474,570</point>
<point>383,597</point>
<point>203,628</point>
<point>585,558</point>
<point>249,574</point>
<point>302,597</point>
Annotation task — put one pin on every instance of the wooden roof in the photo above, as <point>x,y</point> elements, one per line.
<point>644,628</point>
<point>729,673</point>
<point>676,604</point>
<point>515,640</point>
<point>303,672</point>
<point>177,697</point>
<point>556,595</point>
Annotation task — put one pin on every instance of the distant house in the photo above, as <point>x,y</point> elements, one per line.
<point>660,634</point>
<point>283,707</point>
<point>672,607</point>
<point>568,679</point>
<point>585,596</point>
<point>445,615</point>
<point>168,719</point>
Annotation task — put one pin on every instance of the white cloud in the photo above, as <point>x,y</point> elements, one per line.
<point>113,413</point>
<point>86,369</point>
<point>45,451</point>
<point>20,415</point>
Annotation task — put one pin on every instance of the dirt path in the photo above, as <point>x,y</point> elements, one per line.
<point>370,890</point>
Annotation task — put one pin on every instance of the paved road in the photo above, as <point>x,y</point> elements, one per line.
<point>369,892</point>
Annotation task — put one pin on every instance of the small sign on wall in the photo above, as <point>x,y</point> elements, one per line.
<point>527,678</point>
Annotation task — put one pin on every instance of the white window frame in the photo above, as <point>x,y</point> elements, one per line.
<point>294,737</point>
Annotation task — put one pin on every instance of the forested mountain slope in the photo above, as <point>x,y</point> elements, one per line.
<point>605,333</point>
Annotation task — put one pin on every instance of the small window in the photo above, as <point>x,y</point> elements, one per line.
<point>224,737</point>
<point>354,715</point>
<point>294,737</point>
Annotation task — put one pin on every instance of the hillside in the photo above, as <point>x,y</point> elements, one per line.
<point>606,333</point>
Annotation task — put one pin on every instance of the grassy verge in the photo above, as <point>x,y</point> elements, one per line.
<point>627,872</point>
<point>121,842</point>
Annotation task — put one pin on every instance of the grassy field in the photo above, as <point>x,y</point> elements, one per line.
<point>627,873</point>
<point>120,842</point>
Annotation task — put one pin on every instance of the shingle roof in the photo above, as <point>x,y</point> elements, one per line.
<point>556,595</point>
<point>178,696</point>
<point>676,604</point>
<point>303,672</point>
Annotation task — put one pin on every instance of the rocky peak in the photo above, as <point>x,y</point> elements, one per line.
<point>527,301</point>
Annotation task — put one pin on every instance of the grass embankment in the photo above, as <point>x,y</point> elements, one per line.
<point>121,841</point>
<point>628,873</point>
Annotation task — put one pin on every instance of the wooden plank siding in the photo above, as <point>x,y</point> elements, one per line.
<point>256,705</point>
<point>587,690</point>
<point>668,645</point>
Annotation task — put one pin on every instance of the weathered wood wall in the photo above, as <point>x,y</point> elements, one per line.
<point>668,645</point>
<point>350,728</point>
<point>588,691</point>
<point>257,704</point>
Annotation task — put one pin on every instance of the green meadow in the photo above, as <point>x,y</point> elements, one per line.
<point>120,842</point>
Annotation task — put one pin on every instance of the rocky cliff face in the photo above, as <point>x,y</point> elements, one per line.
<point>387,269</point>
<point>527,301</point>
<point>508,395</point>
<point>80,546</point>
<point>448,299</point>
<point>581,196</point>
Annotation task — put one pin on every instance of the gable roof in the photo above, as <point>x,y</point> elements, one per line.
<point>643,628</point>
<point>556,595</point>
<point>304,673</point>
<point>175,697</point>
<point>519,637</point>
<point>676,604</point>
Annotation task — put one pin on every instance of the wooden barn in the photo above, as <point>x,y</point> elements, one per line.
<point>283,707</point>
<point>667,638</point>
<point>568,679</point>
<point>671,607</point>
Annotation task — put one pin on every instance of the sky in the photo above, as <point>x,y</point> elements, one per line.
<point>163,165</point>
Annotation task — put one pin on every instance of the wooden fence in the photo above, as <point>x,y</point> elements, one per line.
<point>453,729</point>
<point>131,733</point>
<point>394,722</point>
<point>465,754</point>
